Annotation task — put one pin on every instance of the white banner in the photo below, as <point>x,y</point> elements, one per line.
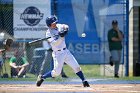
<point>29,18</point>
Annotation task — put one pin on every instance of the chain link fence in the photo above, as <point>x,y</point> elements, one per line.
<point>32,56</point>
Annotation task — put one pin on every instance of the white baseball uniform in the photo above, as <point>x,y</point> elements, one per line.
<point>60,53</point>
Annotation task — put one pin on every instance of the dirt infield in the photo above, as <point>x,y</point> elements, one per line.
<point>70,88</point>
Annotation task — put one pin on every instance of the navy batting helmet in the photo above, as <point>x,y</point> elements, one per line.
<point>51,20</point>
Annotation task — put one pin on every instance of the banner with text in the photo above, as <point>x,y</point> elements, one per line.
<point>89,22</point>
<point>29,18</point>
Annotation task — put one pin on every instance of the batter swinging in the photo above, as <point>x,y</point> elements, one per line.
<point>60,53</point>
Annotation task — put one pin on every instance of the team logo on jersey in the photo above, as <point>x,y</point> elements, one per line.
<point>31,16</point>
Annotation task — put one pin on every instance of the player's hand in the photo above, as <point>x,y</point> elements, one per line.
<point>0,51</point>
<point>65,27</point>
<point>15,66</point>
<point>19,66</point>
<point>117,29</point>
<point>63,33</point>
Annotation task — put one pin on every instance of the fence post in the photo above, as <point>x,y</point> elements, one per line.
<point>127,39</point>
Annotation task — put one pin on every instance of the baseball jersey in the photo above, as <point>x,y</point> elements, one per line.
<point>114,45</point>
<point>46,45</point>
<point>19,61</point>
<point>56,42</point>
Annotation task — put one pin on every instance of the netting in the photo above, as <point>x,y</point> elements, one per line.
<point>91,18</point>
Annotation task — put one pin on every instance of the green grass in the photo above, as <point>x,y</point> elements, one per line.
<point>128,78</point>
<point>89,71</point>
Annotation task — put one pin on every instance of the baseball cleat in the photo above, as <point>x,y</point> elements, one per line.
<point>39,81</point>
<point>85,84</point>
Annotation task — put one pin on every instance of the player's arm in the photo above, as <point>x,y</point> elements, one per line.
<point>111,37</point>
<point>0,52</point>
<point>13,65</point>
<point>12,62</point>
<point>54,40</point>
<point>120,35</point>
<point>115,39</point>
<point>26,63</point>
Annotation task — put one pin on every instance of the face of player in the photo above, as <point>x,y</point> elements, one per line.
<point>53,25</point>
<point>18,53</point>
<point>115,26</point>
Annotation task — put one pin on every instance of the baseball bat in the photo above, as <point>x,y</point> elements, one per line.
<point>38,40</point>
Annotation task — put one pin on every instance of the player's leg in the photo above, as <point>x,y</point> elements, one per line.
<point>116,67</point>
<point>71,61</point>
<point>21,70</point>
<point>58,64</point>
<point>116,60</point>
<point>14,72</point>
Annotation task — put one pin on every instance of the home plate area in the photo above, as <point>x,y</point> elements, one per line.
<point>99,86</point>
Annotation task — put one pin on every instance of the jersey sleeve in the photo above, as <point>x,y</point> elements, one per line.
<point>110,35</point>
<point>49,35</point>
<point>46,45</point>
<point>12,60</point>
<point>24,60</point>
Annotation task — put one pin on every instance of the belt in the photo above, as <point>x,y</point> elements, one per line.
<point>61,49</point>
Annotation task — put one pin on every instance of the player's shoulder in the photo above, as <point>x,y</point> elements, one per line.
<point>48,32</point>
<point>13,58</point>
<point>23,58</point>
<point>110,31</point>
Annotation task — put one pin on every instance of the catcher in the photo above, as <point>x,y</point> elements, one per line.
<point>60,53</point>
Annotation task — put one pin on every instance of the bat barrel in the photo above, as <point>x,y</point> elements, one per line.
<point>38,40</point>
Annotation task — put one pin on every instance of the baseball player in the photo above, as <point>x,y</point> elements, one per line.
<point>48,59</point>
<point>60,53</point>
<point>115,38</point>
